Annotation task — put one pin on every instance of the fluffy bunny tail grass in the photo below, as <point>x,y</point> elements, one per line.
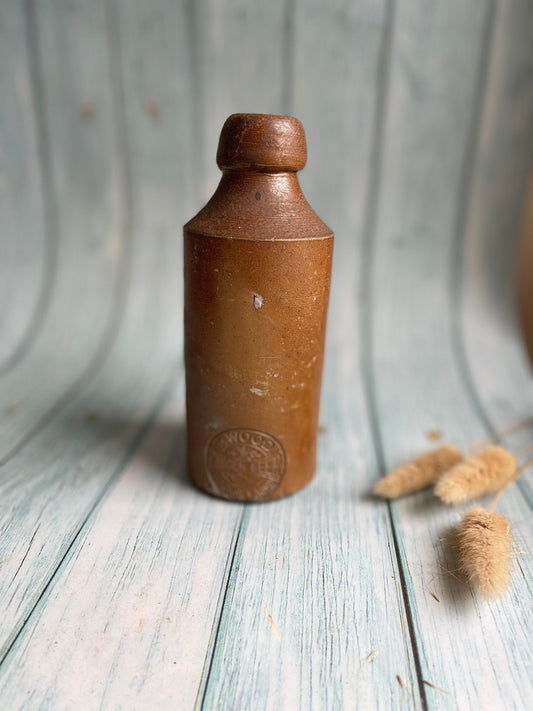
<point>485,545</point>
<point>484,472</point>
<point>416,475</point>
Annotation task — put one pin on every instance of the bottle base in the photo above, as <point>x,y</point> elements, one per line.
<point>280,493</point>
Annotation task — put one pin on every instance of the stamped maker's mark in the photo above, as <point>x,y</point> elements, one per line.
<point>245,463</point>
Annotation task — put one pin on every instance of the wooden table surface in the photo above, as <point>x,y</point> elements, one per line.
<point>123,587</point>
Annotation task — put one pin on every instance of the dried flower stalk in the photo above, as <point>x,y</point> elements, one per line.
<point>485,545</point>
<point>478,475</point>
<point>419,474</point>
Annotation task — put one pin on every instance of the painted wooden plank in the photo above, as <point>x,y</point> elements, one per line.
<point>497,368</point>
<point>477,653</point>
<point>50,488</point>
<point>239,54</point>
<point>313,544</point>
<point>135,605</point>
<point>158,75</point>
<point>128,381</point>
<point>72,66</point>
<point>135,53</point>
<point>314,616</point>
<point>24,259</point>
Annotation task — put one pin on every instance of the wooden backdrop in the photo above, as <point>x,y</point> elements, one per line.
<point>120,585</point>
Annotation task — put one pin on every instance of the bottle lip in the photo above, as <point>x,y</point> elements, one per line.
<point>262,142</point>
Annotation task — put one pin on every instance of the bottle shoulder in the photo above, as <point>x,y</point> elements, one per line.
<point>259,206</point>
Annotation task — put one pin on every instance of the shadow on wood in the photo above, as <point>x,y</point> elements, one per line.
<point>158,441</point>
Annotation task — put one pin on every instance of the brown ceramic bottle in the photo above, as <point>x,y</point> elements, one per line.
<point>525,272</point>
<point>257,272</point>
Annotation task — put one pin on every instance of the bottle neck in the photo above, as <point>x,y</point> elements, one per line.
<point>263,184</point>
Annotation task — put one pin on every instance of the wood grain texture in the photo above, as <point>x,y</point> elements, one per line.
<point>417,384</point>
<point>135,604</point>
<point>301,619</point>
<point>24,256</point>
<point>72,62</point>
<point>238,50</point>
<point>495,363</point>
<point>121,585</point>
<point>84,448</point>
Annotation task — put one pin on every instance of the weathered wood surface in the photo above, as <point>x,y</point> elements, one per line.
<point>120,585</point>
<point>24,264</point>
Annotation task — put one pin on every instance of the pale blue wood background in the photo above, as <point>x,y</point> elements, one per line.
<point>122,587</point>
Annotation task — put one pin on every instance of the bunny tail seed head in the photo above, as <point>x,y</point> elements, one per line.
<point>419,474</point>
<point>485,546</point>
<point>484,472</point>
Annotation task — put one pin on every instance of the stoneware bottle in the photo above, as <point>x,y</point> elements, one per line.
<point>525,273</point>
<point>257,265</point>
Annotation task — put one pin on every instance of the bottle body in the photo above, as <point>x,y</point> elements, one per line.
<point>257,274</point>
